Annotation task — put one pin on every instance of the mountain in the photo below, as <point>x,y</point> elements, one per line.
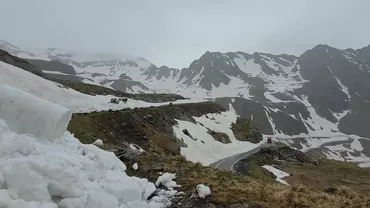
<point>112,70</point>
<point>321,93</point>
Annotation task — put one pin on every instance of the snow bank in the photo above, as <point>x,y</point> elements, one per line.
<point>166,180</point>
<point>26,113</point>
<point>65,173</point>
<point>203,191</point>
<point>135,166</point>
<point>278,173</point>
<point>98,142</point>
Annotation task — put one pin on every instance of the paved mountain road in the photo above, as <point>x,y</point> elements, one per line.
<point>229,162</point>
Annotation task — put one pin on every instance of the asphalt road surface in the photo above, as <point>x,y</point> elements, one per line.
<point>229,162</point>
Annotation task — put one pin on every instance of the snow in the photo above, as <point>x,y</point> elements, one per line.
<point>135,166</point>
<point>274,99</point>
<point>107,84</point>
<point>273,126</point>
<point>348,57</point>
<point>356,145</point>
<point>278,173</point>
<point>40,169</point>
<point>344,88</point>
<point>66,97</point>
<point>166,180</point>
<point>204,148</point>
<point>37,171</point>
<point>247,66</point>
<point>339,116</point>
<point>203,191</point>
<point>98,142</point>
<point>56,72</point>
<point>333,156</point>
<point>26,113</point>
<point>136,147</point>
<point>314,143</point>
<point>235,88</point>
<point>321,126</point>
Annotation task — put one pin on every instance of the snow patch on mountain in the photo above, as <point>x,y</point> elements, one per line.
<point>201,146</point>
<point>278,173</point>
<point>349,152</point>
<point>343,88</point>
<point>66,97</point>
<point>247,66</point>
<point>235,88</point>
<point>319,125</point>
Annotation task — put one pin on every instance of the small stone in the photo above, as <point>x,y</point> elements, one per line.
<point>331,190</point>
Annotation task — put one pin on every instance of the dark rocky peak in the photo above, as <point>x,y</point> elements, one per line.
<point>283,60</point>
<point>364,54</point>
<point>161,72</point>
<point>216,61</point>
<point>124,77</point>
<point>323,48</point>
<point>212,69</point>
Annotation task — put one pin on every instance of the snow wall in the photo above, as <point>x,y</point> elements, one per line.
<point>26,113</point>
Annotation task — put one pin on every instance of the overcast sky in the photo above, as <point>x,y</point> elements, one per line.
<point>174,33</point>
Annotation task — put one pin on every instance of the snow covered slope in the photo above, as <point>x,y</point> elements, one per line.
<point>66,97</point>
<point>201,146</point>
<point>64,173</point>
<point>98,69</point>
<point>26,113</point>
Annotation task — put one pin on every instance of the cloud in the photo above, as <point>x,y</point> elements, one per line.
<point>176,32</point>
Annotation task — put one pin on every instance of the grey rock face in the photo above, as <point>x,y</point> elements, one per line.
<point>53,65</point>
<point>21,63</point>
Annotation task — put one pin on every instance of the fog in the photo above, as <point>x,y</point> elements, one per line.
<point>173,33</point>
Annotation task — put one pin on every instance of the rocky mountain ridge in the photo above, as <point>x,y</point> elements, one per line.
<point>322,93</point>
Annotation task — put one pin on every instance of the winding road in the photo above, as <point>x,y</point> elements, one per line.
<point>229,162</point>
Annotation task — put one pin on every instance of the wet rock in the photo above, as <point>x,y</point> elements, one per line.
<point>219,136</point>
<point>186,132</point>
<point>129,155</point>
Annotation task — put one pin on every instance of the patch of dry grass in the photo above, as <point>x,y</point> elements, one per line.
<point>329,173</point>
<point>232,188</point>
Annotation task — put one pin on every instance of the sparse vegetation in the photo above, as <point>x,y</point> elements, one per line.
<point>99,90</point>
<point>243,191</point>
<point>312,185</point>
<point>246,130</point>
<point>329,173</point>
<point>220,136</point>
<point>150,128</point>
